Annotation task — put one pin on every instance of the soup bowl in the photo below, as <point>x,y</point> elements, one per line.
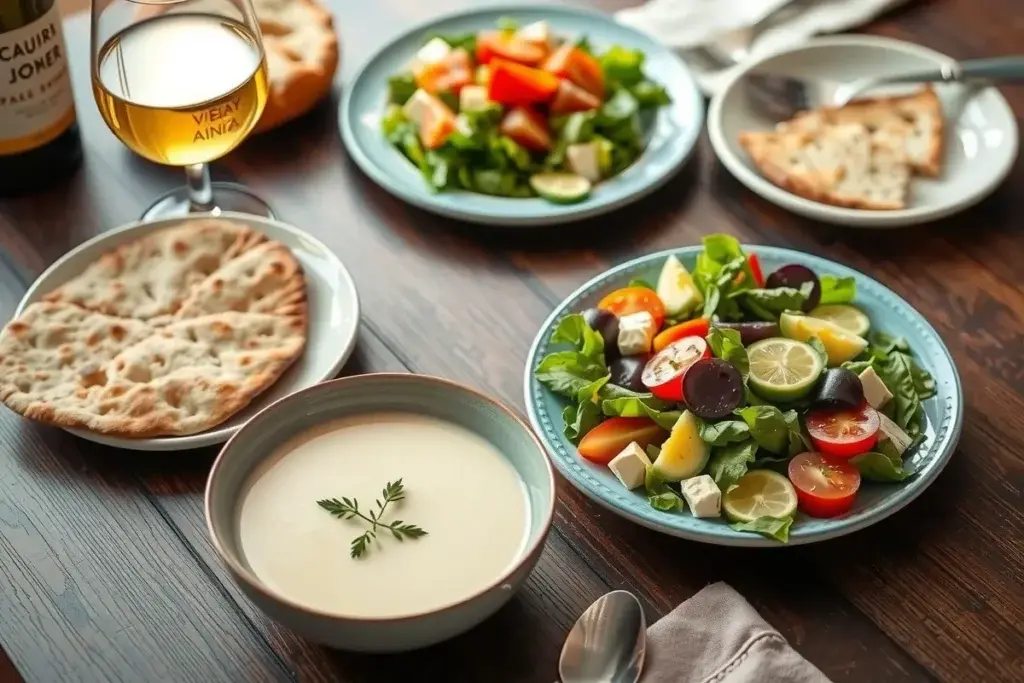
<point>260,439</point>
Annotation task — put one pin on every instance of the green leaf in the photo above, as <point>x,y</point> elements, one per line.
<point>722,248</point>
<point>857,366</point>
<point>640,283</point>
<point>798,442</point>
<point>573,329</point>
<point>768,427</point>
<point>837,290</point>
<point>400,88</point>
<point>659,494</point>
<point>898,376</point>
<point>726,344</point>
<point>729,463</point>
<point>622,65</point>
<point>881,467</point>
<point>769,304</point>
<point>775,528</point>
<point>641,407</point>
<point>819,348</point>
<point>712,297</point>
<point>650,94</point>
<point>723,432</point>
<point>889,343</point>
<point>567,372</point>
<point>579,420</point>
<point>467,41</point>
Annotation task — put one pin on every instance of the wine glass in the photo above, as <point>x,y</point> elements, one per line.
<point>181,82</point>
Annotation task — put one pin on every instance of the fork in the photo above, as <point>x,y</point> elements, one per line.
<point>728,49</point>
<point>781,97</point>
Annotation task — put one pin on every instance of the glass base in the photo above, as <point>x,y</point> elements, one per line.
<point>226,197</point>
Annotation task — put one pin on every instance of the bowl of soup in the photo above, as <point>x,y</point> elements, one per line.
<point>382,512</point>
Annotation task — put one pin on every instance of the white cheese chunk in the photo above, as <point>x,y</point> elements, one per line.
<point>417,106</point>
<point>585,160</point>
<point>630,466</point>
<point>539,32</point>
<point>433,52</point>
<point>636,332</point>
<point>702,495</point>
<point>473,97</point>
<point>875,391</point>
<point>891,431</point>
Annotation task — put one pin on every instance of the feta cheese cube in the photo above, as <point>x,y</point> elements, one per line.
<point>891,431</point>
<point>630,466</point>
<point>472,97</point>
<point>875,391</point>
<point>418,105</point>
<point>433,52</point>
<point>539,32</point>
<point>636,333</point>
<point>585,160</point>
<point>702,495</point>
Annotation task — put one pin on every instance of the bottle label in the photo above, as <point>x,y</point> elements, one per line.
<point>36,103</point>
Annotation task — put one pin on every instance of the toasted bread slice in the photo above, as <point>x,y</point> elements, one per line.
<point>913,121</point>
<point>840,165</point>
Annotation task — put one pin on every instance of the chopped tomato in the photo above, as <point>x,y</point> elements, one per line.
<point>844,433</point>
<point>570,62</point>
<point>437,124</point>
<point>499,44</point>
<point>755,268</point>
<point>571,97</point>
<point>514,84</point>
<point>602,443</point>
<point>825,486</point>
<point>528,128</point>
<point>698,327</point>
<point>633,300</point>
<point>663,374</point>
<point>451,74</point>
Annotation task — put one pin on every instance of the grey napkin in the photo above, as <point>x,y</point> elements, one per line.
<point>717,637</point>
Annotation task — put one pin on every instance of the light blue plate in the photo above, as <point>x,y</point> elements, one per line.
<point>887,311</point>
<point>670,133</point>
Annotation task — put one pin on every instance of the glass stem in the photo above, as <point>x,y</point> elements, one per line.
<point>200,190</point>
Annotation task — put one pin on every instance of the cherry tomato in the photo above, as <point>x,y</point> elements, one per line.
<point>843,433</point>
<point>755,268</point>
<point>825,486</point>
<point>633,300</point>
<point>663,374</point>
<point>491,44</point>
<point>698,327</point>
<point>608,439</point>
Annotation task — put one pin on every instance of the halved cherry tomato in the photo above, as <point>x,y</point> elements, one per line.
<point>570,62</point>
<point>606,440</point>
<point>451,74</point>
<point>515,84</point>
<point>571,97</point>
<point>755,268</point>
<point>843,433</point>
<point>698,327</point>
<point>633,300</point>
<point>663,374</point>
<point>825,486</point>
<point>492,44</point>
<point>528,128</point>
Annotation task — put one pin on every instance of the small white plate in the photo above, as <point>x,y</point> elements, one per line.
<point>981,131</point>
<point>333,319</point>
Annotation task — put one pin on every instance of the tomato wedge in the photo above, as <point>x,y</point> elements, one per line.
<point>515,84</point>
<point>663,374</point>
<point>606,440</point>
<point>499,44</point>
<point>843,433</point>
<point>570,62</point>
<point>698,327</point>
<point>633,300</point>
<point>451,74</point>
<point>528,128</point>
<point>571,97</point>
<point>755,268</point>
<point>825,486</point>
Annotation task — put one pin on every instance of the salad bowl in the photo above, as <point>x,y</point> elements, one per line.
<point>940,424</point>
<point>668,133</point>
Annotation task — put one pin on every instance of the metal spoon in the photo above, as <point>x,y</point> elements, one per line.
<point>607,643</point>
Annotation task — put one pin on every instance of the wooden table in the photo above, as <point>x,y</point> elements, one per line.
<point>106,570</point>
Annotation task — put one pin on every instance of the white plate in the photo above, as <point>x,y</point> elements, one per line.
<point>333,319</point>
<point>981,131</point>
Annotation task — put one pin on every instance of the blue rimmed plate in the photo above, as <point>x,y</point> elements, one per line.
<point>670,134</point>
<point>887,311</point>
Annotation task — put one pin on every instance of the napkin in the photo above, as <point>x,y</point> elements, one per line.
<point>717,637</point>
<point>685,24</point>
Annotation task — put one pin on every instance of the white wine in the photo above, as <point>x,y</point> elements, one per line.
<point>181,88</point>
<point>39,140</point>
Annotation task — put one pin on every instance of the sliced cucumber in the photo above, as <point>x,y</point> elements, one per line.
<point>561,188</point>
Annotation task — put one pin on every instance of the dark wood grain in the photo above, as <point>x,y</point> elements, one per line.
<point>111,574</point>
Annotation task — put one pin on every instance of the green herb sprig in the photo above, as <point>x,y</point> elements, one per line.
<point>348,508</point>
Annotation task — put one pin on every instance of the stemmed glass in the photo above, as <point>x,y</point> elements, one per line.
<point>181,82</point>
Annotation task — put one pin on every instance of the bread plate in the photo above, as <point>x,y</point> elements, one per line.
<point>333,319</point>
<point>981,137</point>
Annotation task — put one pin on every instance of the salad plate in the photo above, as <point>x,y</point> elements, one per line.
<point>786,365</point>
<point>379,122</point>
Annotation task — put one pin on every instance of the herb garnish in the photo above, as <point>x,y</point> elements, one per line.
<point>348,508</point>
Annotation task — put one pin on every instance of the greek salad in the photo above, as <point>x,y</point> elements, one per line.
<point>725,392</point>
<point>518,111</point>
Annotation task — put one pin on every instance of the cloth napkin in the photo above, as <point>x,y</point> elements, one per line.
<point>685,24</point>
<point>717,637</point>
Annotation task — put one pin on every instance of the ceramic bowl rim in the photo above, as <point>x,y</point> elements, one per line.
<point>246,576</point>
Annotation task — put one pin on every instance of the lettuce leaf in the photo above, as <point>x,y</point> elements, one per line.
<point>775,528</point>
<point>724,432</point>
<point>400,88</point>
<point>726,344</point>
<point>837,290</point>
<point>728,464</point>
<point>881,467</point>
<point>772,429</point>
<point>660,495</point>
<point>641,406</point>
<point>769,304</point>
<point>622,66</point>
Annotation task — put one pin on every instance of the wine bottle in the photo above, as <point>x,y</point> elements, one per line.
<point>39,140</point>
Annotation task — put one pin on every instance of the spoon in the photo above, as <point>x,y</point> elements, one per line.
<point>607,643</point>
